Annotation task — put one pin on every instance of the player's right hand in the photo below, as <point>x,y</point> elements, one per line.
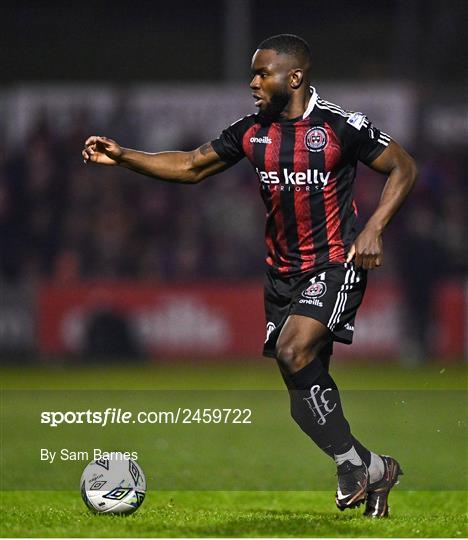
<point>101,150</point>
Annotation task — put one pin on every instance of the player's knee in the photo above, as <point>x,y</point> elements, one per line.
<point>292,357</point>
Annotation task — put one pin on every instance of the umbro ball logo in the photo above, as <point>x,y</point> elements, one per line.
<point>262,140</point>
<point>316,139</point>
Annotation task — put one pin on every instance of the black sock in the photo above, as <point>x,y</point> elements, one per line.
<point>363,452</point>
<point>316,407</point>
<point>324,357</point>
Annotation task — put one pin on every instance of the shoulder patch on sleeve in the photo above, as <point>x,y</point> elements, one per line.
<point>356,120</point>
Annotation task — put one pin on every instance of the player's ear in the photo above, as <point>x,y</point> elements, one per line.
<point>296,77</point>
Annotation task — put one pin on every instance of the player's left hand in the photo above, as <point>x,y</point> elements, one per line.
<point>367,250</point>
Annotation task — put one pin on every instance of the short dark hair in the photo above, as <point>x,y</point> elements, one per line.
<point>288,44</point>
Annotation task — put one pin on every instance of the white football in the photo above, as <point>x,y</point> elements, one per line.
<point>113,486</point>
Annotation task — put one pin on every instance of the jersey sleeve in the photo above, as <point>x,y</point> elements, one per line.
<point>365,140</point>
<point>228,145</point>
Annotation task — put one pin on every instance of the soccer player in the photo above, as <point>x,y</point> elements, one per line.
<point>304,151</point>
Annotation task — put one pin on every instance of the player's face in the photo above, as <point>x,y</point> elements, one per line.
<point>270,84</point>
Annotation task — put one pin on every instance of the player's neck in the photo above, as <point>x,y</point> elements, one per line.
<point>297,105</point>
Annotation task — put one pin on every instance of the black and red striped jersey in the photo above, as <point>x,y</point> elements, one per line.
<point>306,168</point>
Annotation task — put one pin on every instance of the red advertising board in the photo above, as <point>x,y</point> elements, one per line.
<point>199,320</point>
<point>225,319</point>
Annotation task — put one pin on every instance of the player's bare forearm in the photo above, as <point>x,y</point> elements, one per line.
<point>167,166</point>
<point>367,250</point>
<point>180,167</point>
<point>402,171</point>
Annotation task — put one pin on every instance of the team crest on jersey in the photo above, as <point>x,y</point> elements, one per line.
<point>316,139</point>
<point>315,290</point>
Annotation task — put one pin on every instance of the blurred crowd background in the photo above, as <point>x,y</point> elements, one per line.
<point>159,77</point>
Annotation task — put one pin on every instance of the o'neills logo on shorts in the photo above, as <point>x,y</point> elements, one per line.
<point>262,140</point>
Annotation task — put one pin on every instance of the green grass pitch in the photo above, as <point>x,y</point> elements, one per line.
<point>264,479</point>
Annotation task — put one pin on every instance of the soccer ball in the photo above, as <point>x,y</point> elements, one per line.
<point>113,486</point>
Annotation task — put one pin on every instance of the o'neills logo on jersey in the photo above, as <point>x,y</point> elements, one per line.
<point>262,140</point>
<point>310,177</point>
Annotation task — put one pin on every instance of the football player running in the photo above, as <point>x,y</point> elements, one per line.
<point>305,151</point>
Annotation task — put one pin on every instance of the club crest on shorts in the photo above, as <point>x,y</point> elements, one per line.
<point>316,139</point>
<point>315,290</point>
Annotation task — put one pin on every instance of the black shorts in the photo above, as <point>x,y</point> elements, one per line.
<point>331,295</point>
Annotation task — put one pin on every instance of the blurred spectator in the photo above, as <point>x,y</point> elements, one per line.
<point>431,249</point>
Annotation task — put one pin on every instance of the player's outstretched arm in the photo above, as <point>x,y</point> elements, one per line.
<point>367,250</point>
<point>182,167</point>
